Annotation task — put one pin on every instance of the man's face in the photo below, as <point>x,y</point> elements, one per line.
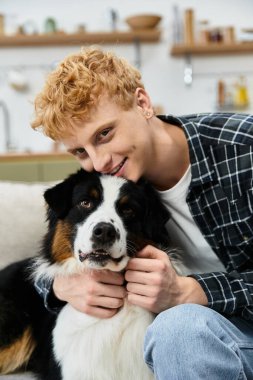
<point>113,141</point>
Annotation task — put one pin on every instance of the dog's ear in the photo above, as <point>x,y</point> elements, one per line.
<point>59,197</point>
<point>156,214</point>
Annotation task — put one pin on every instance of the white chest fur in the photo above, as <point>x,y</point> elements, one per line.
<point>88,348</point>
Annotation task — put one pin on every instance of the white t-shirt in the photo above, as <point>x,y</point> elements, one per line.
<point>197,255</point>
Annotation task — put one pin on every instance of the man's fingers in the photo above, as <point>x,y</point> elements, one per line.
<point>107,277</point>
<point>142,290</point>
<point>148,265</point>
<point>142,301</point>
<point>99,312</point>
<point>106,302</point>
<point>151,252</point>
<point>153,279</point>
<point>112,291</point>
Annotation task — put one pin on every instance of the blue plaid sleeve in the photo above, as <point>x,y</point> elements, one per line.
<point>44,287</point>
<point>228,293</point>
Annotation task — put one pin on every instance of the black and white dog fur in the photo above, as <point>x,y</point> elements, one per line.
<point>94,222</point>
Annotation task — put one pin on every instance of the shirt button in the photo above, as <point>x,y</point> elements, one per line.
<point>245,238</point>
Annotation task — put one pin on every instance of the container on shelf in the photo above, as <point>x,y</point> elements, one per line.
<point>1,24</point>
<point>189,26</point>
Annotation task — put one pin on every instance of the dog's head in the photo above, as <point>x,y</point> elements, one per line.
<point>100,221</point>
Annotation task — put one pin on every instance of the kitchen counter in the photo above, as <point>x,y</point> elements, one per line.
<point>37,167</point>
<point>23,156</point>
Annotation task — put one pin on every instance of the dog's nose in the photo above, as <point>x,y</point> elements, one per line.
<point>104,233</point>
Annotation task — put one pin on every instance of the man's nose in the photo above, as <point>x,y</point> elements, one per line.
<point>102,162</point>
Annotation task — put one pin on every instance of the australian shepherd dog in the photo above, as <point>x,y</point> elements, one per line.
<point>95,222</point>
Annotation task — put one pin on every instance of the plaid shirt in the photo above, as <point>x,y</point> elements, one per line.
<point>220,198</point>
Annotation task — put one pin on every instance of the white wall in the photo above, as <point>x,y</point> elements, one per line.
<point>162,74</point>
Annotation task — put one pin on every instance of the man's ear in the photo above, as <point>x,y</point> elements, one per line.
<point>59,197</point>
<point>143,102</point>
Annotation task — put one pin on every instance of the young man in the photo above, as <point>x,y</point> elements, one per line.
<point>96,104</point>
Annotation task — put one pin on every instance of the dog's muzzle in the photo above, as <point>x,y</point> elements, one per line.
<point>104,235</point>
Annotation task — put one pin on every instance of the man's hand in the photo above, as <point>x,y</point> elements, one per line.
<point>154,285</point>
<point>99,293</point>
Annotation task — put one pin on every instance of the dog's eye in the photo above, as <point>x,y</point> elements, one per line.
<point>86,204</point>
<point>128,212</point>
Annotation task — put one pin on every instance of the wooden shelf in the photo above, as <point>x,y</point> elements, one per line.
<point>212,49</point>
<point>61,39</point>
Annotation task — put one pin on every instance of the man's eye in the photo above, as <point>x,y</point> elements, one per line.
<point>87,204</point>
<point>104,133</point>
<point>80,152</point>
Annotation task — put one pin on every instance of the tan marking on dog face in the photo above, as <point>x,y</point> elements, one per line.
<point>124,200</point>
<point>61,246</point>
<point>17,354</point>
<point>94,193</point>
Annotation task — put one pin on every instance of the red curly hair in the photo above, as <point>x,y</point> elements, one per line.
<point>74,88</point>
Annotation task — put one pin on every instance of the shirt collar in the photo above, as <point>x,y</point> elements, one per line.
<point>201,167</point>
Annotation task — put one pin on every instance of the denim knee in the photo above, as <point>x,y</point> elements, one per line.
<point>184,320</point>
<point>193,339</point>
<point>175,328</point>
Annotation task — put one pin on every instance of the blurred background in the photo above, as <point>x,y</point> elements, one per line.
<point>194,56</point>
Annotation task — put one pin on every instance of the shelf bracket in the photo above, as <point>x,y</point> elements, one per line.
<point>188,72</point>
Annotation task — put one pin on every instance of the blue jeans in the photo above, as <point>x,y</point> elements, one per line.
<point>192,342</point>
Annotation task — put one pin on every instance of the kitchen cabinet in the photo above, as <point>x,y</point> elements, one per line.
<point>36,167</point>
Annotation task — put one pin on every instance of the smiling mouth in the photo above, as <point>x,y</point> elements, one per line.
<point>117,169</point>
<point>98,256</point>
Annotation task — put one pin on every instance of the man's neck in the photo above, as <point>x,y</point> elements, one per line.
<point>172,159</point>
